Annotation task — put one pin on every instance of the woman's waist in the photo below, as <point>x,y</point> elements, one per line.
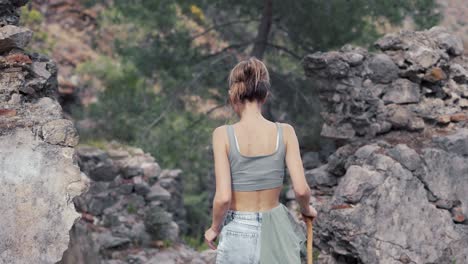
<point>246,214</point>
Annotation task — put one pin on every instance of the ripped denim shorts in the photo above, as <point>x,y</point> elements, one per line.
<point>239,240</point>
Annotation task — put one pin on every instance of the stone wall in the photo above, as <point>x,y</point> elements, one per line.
<point>395,189</point>
<point>132,213</point>
<point>419,79</point>
<point>38,167</point>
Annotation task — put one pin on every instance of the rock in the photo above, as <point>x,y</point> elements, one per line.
<point>311,160</point>
<point>99,203</point>
<point>399,117</point>
<point>384,70</point>
<point>81,249</point>
<point>390,205</point>
<point>356,183</point>
<point>40,69</point>
<point>290,194</point>
<point>208,255</point>
<point>336,66</point>
<point>60,132</point>
<point>132,168</point>
<point>117,206</point>
<point>449,42</point>
<point>445,175</point>
<point>151,170</point>
<point>14,37</point>
<point>40,178</point>
<point>402,91</point>
<point>47,107</point>
<point>365,151</point>
<point>402,158</point>
<point>414,69</point>
<point>457,215</point>
<point>434,75</point>
<point>453,251</point>
<point>97,164</point>
<point>11,81</point>
<point>320,177</point>
<point>157,220</point>
<point>141,186</point>
<point>9,13</point>
<point>422,56</point>
<point>107,241</point>
<point>458,117</point>
<point>458,73</point>
<point>391,41</point>
<point>336,161</point>
<point>345,131</point>
<point>406,156</point>
<point>158,193</point>
<point>29,167</point>
<point>456,142</point>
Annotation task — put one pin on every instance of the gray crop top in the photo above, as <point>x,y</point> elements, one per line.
<point>250,173</point>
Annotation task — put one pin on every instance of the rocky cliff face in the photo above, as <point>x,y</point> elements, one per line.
<point>38,167</point>
<point>132,213</point>
<point>395,189</point>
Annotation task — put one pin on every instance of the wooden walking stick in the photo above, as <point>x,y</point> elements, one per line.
<point>310,240</point>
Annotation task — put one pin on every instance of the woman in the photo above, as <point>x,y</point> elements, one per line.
<point>250,156</point>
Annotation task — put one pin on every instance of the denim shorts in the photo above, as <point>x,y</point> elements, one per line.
<point>239,240</point>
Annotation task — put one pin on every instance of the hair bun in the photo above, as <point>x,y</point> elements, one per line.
<point>249,80</point>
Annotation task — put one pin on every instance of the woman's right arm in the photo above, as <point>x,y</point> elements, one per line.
<point>296,171</point>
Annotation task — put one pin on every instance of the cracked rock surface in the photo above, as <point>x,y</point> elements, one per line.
<point>39,173</point>
<point>395,189</point>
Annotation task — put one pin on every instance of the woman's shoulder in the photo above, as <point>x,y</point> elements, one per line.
<point>286,127</point>
<point>220,131</point>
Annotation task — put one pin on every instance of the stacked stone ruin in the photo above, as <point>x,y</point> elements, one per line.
<point>395,189</point>
<point>132,213</point>
<point>39,174</point>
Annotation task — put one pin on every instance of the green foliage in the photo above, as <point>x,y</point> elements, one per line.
<point>194,243</point>
<point>94,142</point>
<point>32,19</point>
<point>30,16</point>
<point>316,254</point>
<point>131,209</point>
<point>167,243</point>
<point>198,208</point>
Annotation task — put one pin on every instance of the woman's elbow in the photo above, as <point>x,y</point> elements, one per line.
<point>223,199</point>
<point>303,192</point>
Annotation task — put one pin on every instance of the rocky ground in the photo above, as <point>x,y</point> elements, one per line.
<point>395,189</point>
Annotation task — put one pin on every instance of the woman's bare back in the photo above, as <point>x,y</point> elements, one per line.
<point>259,200</point>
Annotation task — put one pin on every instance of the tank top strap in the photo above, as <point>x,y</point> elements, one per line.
<point>232,140</point>
<point>280,136</point>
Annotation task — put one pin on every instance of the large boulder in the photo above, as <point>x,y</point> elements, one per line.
<point>398,203</point>
<point>39,172</point>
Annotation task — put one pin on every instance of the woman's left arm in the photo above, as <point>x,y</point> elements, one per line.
<point>222,198</point>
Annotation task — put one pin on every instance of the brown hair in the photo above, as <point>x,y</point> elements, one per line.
<point>249,80</point>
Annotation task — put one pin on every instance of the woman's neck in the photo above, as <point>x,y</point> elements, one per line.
<point>251,113</point>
